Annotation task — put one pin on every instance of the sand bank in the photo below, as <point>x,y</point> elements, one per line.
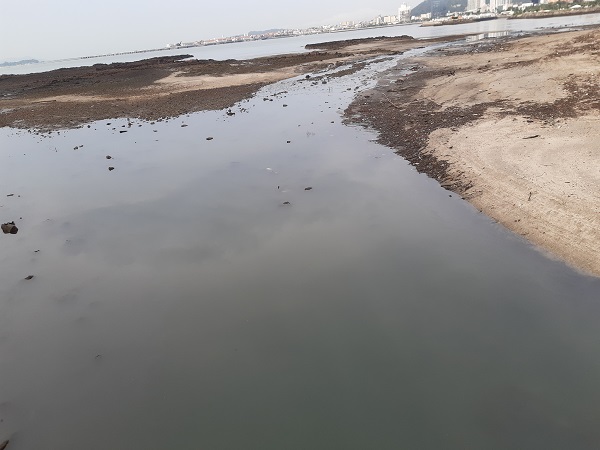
<point>513,127</point>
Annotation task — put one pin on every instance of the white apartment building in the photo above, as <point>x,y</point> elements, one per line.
<point>403,12</point>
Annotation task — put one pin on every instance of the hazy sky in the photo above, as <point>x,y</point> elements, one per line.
<point>52,29</point>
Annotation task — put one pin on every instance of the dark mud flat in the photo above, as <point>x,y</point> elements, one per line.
<point>70,97</point>
<point>336,45</point>
<point>170,86</point>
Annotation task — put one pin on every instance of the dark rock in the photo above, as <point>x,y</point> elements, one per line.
<point>10,195</point>
<point>286,203</point>
<point>108,157</point>
<point>9,228</point>
<point>285,106</point>
<point>75,148</point>
<point>183,125</point>
<point>210,138</point>
<point>532,137</point>
<point>289,142</point>
<point>29,277</point>
<point>111,169</point>
<point>122,131</point>
<point>308,188</point>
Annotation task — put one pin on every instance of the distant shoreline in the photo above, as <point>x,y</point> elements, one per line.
<point>559,13</point>
<point>19,63</point>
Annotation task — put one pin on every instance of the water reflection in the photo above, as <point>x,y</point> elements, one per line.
<point>179,304</point>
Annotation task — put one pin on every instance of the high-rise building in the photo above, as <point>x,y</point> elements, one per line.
<point>404,13</point>
<point>474,5</point>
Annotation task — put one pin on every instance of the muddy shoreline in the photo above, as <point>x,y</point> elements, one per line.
<point>508,126</point>
<point>480,118</point>
<point>164,87</point>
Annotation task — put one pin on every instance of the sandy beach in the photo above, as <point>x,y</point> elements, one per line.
<point>512,127</point>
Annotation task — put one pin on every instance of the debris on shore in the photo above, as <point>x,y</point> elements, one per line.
<point>10,228</point>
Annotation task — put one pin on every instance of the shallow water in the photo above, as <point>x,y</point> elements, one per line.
<point>178,303</point>
<point>256,49</point>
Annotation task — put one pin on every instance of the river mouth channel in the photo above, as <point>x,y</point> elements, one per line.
<point>179,301</point>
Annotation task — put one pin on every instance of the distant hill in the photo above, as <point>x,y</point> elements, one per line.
<point>272,30</point>
<point>18,63</point>
<point>439,8</point>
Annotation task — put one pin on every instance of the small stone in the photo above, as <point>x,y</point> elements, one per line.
<point>10,195</point>
<point>108,157</point>
<point>289,142</point>
<point>75,148</point>
<point>183,125</point>
<point>285,106</point>
<point>309,188</point>
<point>210,138</point>
<point>122,131</point>
<point>9,228</point>
<point>29,277</point>
<point>286,203</point>
<point>111,169</point>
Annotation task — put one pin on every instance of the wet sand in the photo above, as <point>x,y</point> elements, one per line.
<point>511,126</point>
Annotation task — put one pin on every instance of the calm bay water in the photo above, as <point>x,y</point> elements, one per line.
<point>178,303</point>
<point>247,50</point>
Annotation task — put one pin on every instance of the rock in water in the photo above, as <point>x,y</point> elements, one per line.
<point>9,228</point>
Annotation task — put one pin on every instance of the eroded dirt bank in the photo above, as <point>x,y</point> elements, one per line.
<point>510,125</point>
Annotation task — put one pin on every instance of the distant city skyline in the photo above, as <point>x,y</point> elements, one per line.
<point>72,28</point>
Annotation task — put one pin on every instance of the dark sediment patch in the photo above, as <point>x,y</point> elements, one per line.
<point>336,45</point>
<point>404,121</point>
